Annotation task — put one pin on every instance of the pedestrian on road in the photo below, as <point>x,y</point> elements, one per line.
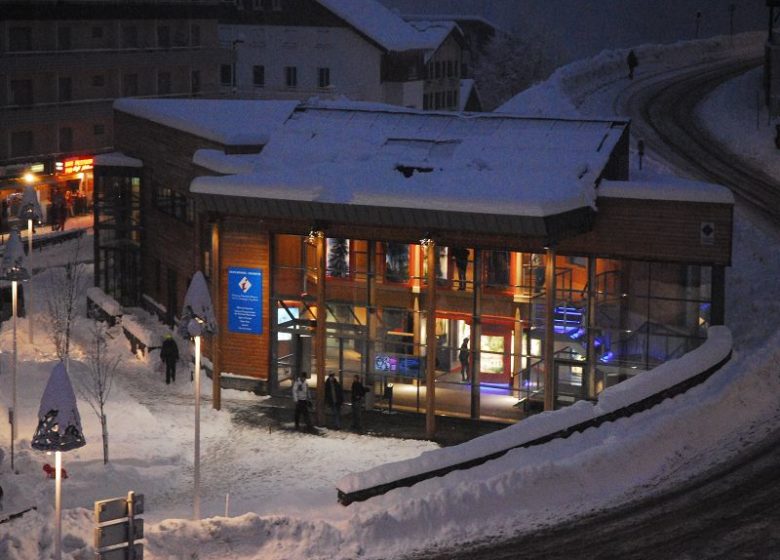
<point>632,62</point>
<point>169,354</point>
<point>358,394</point>
<point>463,358</point>
<point>334,398</point>
<point>300,394</point>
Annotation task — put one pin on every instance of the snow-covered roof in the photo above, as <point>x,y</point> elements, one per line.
<point>433,33</point>
<point>485,164</point>
<point>667,188</point>
<point>378,23</point>
<point>117,159</point>
<point>229,122</point>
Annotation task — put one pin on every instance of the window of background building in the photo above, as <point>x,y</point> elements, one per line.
<point>66,139</point>
<point>64,89</point>
<point>20,39</point>
<point>195,82</point>
<point>97,32</point>
<point>163,83</point>
<point>63,38</point>
<point>226,74</point>
<point>129,85</point>
<point>291,76</point>
<point>99,129</point>
<point>257,4</point>
<point>195,35</point>
<point>21,92</point>
<point>449,99</point>
<point>258,76</point>
<point>164,37</point>
<point>129,37</point>
<point>22,143</point>
<point>98,81</point>
<point>323,77</point>
<point>276,5</point>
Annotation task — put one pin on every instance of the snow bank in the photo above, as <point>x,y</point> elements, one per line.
<point>639,387</point>
<point>105,302</point>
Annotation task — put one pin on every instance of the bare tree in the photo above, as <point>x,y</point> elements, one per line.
<point>95,387</point>
<point>66,287</point>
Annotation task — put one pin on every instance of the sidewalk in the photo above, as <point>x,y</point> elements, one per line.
<point>277,412</point>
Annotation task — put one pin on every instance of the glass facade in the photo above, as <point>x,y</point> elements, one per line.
<point>494,309</point>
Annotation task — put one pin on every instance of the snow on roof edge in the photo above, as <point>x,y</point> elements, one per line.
<point>666,188</point>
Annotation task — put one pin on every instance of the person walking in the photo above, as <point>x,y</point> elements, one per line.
<point>334,398</point>
<point>169,354</point>
<point>463,357</point>
<point>300,394</point>
<point>632,62</point>
<point>358,394</point>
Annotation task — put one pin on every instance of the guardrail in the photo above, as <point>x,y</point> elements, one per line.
<point>361,494</point>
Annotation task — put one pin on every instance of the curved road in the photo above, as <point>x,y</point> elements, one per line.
<point>733,510</point>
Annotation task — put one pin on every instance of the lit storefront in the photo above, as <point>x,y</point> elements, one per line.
<point>322,255</point>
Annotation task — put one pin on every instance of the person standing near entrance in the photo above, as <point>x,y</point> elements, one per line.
<point>632,62</point>
<point>358,394</point>
<point>169,354</point>
<point>334,398</point>
<point>463,358</point>
<point>300,394</point>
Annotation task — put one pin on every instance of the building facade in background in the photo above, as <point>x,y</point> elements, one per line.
<point>62,63</point>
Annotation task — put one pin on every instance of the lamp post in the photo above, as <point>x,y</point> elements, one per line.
<point>13,269</point>
<point>197,319</point>
<point>30,210</point>
<point>59,429</point>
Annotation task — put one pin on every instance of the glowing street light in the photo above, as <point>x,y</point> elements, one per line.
<point>59,429</point>
<point>14,269</point>
<point>30,210</point>
<point>197,319</point>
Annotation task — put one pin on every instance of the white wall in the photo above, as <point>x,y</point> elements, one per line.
<point>354,62</point>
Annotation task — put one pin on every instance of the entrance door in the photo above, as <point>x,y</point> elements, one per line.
<point>569,386</point>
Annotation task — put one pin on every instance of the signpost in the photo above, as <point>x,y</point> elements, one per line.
<point>117,528</point>
<point>245,300</point>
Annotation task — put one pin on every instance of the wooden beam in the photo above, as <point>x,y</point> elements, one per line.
<point>216,290</point>
<point>430,344</point>
<point>549,331</point>
<point>319,340</point>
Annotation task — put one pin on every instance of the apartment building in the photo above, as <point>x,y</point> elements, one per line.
<point>299,49</point>
<point>62,63</point>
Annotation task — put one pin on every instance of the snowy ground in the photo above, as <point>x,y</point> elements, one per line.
<point>287,480</point>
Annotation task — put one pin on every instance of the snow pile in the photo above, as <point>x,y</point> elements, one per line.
<point>573,84</point>
<point>639,387</point>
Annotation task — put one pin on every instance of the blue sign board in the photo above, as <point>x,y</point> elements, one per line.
<point>245,300</point>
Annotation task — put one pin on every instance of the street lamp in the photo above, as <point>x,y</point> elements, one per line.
<point>30,210</point>
<point>59,429</point>
<point>14,269</point>
<point>197,319</point>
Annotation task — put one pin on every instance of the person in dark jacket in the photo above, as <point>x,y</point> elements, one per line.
<point>632,62</point>
<point>463,358</point>
<point>461,257</point>
<point>169,354</point>
<point>358,395</point>
<point>334,398</point>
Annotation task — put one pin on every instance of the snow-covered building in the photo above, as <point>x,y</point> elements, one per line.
<point>373,240</point>
<point>330,49</point>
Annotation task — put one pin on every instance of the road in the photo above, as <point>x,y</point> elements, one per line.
<point>731,511</point>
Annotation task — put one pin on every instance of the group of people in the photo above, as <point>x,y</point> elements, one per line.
<point>334,400</point>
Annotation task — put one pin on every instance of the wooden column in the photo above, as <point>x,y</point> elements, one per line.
<point>590,358</point>
<point>320,332</point>
<point>216,290</point>
<point>430,343</point>
<point>549,331</point>
<point>476,336</point>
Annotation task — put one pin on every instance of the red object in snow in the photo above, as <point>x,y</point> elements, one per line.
<point>50,471</point>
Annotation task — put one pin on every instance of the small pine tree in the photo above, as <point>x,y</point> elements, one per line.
<point>338,255</point>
